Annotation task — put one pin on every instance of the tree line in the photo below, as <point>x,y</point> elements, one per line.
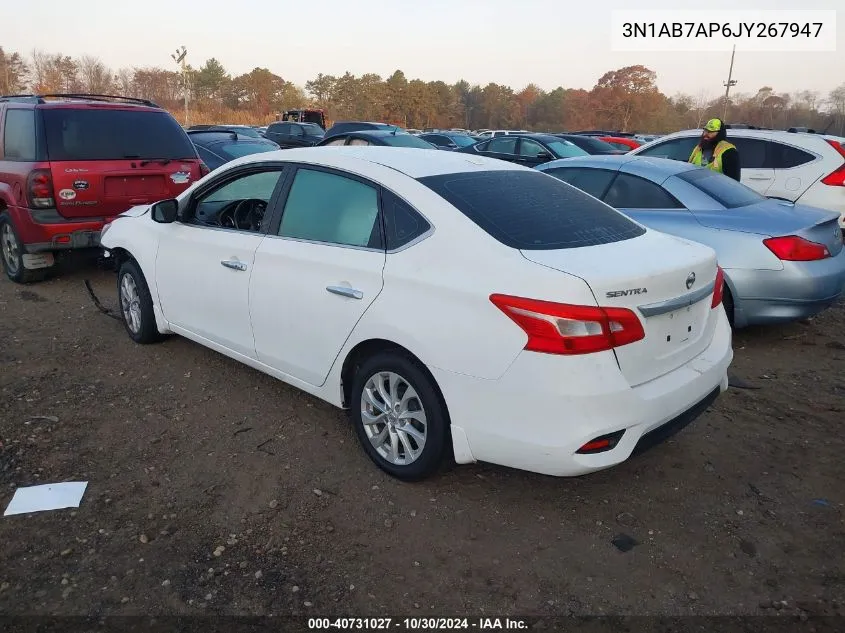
<point>626,99</point>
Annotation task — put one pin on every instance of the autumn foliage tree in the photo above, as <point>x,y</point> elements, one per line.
<point>626,99</point>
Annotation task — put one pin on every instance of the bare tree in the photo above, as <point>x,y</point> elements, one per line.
<point>95,77</point>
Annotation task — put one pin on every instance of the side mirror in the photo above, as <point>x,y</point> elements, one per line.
<point>165,212</point>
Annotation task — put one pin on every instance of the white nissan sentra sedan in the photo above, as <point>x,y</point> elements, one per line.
<point>455,305</point>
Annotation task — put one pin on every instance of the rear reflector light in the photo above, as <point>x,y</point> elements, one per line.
<point>792,248</point>
<point>601,444</point>
<point>39,189</point>
<point>719,289</point>
<point>62,239</point>
<point>204,170</point>
<point>559,328</point>
<point>836,178</point>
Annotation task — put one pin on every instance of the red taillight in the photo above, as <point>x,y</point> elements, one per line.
<point>559,328</point>
<point>204,170</point>
<point>792,248</point>
<point>719,289</point>
<point>39,188</point>
<point>836,178</point>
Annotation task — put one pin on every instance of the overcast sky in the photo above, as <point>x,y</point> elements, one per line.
<point>512,42</point>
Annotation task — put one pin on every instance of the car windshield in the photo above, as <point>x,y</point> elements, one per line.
<point>723,189</point>
<point>236,150</point>
<point>462,141</point>
<point>526,209</point>
<point>565,149</point>
<point>110,134</point>
<point>406,140</point>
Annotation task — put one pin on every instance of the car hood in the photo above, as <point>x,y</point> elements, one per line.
<point>136,212</point>
<point>767,217</point>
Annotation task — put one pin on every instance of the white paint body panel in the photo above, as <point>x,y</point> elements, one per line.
<point>507,406</point>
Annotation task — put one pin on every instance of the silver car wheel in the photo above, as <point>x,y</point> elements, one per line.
<point>11,249</point>
<point>393,417</point>
<point>130,303</point>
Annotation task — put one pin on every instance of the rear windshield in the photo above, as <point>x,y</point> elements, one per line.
<point>462,141</point>
<point>236,150</point>
<point>313,129</point>
<point>594,144</point>
<point>723,189</point>
<point>529,210</point>
<point>108,134</point>
<point>565,149</point>
<point>406,140</point>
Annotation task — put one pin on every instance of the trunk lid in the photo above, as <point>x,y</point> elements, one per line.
<point>107,188</point>
<point>776,218</point>
<point>668,282</point>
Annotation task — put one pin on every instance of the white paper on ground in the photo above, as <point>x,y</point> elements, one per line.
<point>46,497</point>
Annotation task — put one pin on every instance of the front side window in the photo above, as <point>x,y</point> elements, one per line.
<point>240,203</point>
<point>330,208</point>
<point>530,149</point>
<point>503,145</point>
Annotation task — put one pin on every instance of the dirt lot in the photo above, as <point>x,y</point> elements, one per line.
<point>188,452</point>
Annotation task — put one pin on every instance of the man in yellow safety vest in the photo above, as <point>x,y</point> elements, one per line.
<point>714,152</point>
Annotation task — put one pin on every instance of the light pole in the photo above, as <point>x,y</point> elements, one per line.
<point>729,83</point>
<point>179,58</point>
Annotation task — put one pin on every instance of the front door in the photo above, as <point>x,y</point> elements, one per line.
<point>205,261</point>
<point>316,273</point>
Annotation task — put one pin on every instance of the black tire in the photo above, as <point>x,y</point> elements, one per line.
<point>145,331</point>
<point>11,252</point>
<point>728,304</point>
<point>437,439</point>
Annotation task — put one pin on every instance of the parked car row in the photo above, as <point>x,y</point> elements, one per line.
<point>609,282</point>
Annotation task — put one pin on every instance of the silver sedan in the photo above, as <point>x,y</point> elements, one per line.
<point>782,261</point>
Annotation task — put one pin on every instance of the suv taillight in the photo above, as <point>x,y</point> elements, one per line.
<point>558,328</point>
<point>39,189</point>
<point>836,178</point>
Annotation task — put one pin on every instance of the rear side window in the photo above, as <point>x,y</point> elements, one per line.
<point>528,210</point>
<point>592,181</point>
<point>402,223</point>
<point>19,135</point>
<point>110,134</point>
<point>503,145</point>
<point>724,190</point>
<point>786,157</point>
<point>330,208</point>
<point>633,192</point>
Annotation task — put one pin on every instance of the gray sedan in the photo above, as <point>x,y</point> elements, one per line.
<point>782,261</point>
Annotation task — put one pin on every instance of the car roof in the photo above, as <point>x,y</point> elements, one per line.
<point>539,136</point>
<point>71,100</point>
<point>372,133</point>
<point>657,169</point>
<point>412,161</point>
<point>781,135</point>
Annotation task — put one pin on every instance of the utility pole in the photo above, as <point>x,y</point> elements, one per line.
<point>179,57</point>
<point>729,83</point>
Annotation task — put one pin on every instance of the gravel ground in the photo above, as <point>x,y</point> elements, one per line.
<point>214,489</point>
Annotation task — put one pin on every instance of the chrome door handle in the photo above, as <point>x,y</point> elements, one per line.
<point>234,265</point>
<point>345,291</point>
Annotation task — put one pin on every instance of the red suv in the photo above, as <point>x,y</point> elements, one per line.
<point>71,163</point>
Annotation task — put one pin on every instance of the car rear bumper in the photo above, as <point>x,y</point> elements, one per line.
<point>799,291</point>
<point>64,234</point>
<point>546,407</point>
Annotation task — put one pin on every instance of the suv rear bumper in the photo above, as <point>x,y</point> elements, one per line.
<point>61,235</point>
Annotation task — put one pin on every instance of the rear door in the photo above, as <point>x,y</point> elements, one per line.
<point>105,159</point>
<point>503,148</point>
<point>795,170</point>
<point>316,273</point>
<point>755,170</point>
